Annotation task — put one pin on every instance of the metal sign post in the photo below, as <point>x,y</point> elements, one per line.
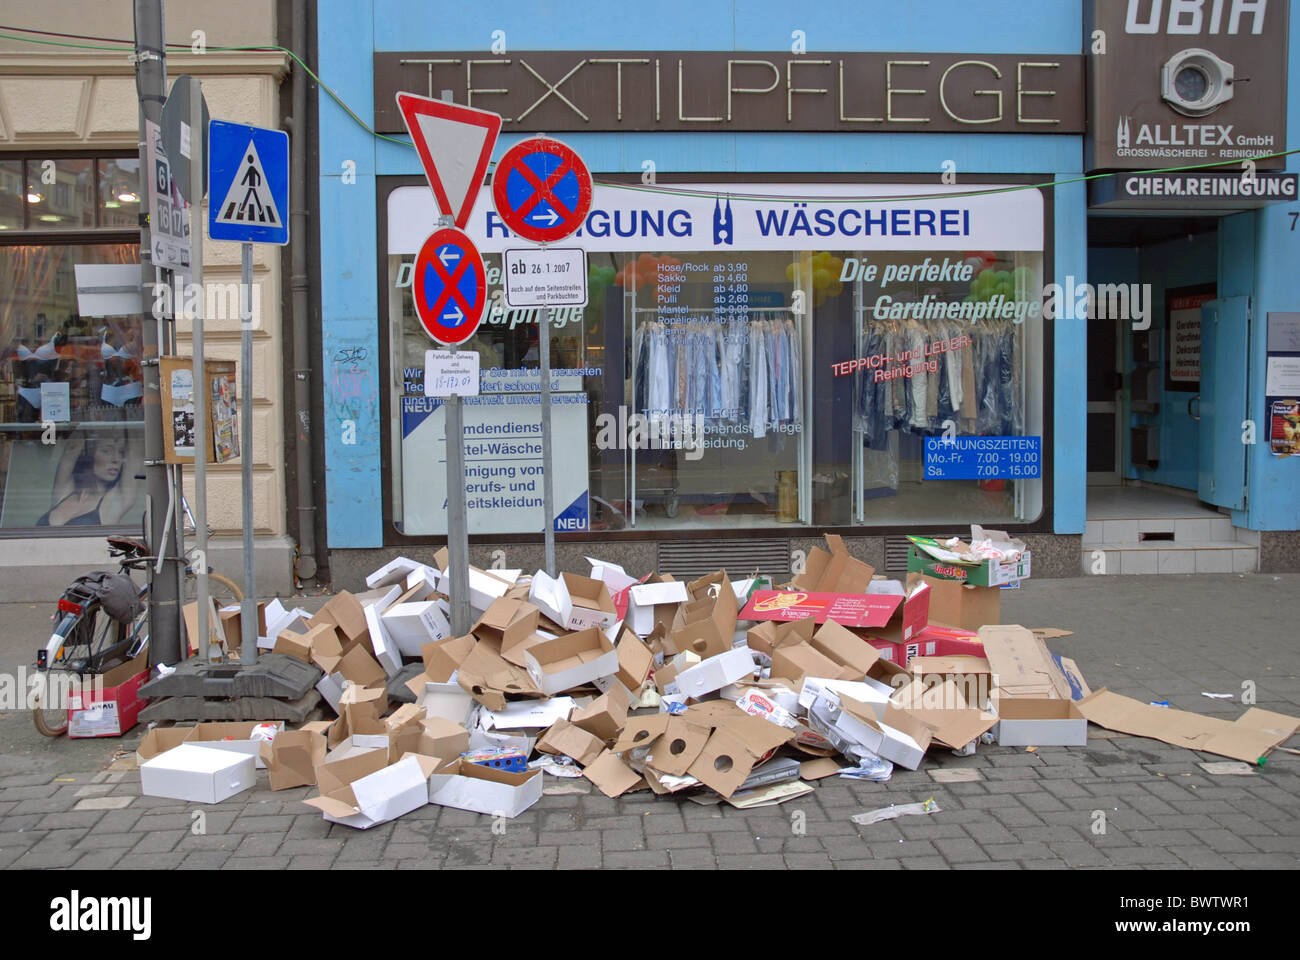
<point>248,609</point>
<point>197,176</point>
<point>457,520</point>
<point>548,480</point>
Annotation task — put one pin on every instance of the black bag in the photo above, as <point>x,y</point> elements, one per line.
<point>117,593</point>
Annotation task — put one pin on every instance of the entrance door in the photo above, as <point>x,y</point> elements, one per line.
<point>1105,435</point>
<point>1225,340</point>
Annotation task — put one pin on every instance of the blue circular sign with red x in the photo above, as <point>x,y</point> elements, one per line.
<point>449,286</point>
<point>542,190</point>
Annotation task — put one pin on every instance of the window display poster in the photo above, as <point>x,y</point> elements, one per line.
<point>178,411</point>
<point>223,407</point>
<point>85,479</point>
<point>1282,384</point>
<point>503,463</point>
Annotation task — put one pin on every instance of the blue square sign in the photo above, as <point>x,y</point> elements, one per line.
<point>248,183</point>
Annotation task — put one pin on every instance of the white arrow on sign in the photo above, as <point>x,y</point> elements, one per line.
<point>448,253</point>
<point>549,218</point>
<point>453,313</point>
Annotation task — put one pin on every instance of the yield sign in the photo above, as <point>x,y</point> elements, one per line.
<point>454,144</point>
<point>448,286</point>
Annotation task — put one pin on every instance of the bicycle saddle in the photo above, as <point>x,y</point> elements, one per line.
<point>129,546</point>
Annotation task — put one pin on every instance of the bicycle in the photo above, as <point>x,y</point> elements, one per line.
<point>87,641</point>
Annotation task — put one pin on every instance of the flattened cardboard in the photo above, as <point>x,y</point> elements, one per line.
<point>611,775</point>
<point>1021,663</point>
<point>479,789</point>
<point>724,763</point>
<point>326,649</point>
<point>641,732</point>
<point>527,714</point>
<point>571,660</point>
<point>675,751</point>
<point>945,707</point>
<point>563,738</point>
<point>487,677</point>
<point>819,769</point>
<point>1249,738</point>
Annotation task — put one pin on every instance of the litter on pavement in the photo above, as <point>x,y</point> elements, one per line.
<point>714,689</point>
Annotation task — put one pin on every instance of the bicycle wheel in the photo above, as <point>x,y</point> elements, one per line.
<point>49,723</point>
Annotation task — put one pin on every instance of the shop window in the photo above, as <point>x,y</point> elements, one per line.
<point>724,388</point>
<point>60,194</point>
<point>71,420</point>
<point>119,192</point>
<point>11,195</point>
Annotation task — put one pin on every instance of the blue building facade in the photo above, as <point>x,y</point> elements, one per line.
<point>824,459</point>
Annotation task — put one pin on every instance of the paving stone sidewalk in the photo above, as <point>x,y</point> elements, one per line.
<point>1118,802</point>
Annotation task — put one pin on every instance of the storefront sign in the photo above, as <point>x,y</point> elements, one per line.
<point>1186,82</point>
<point>753,216</point>
<point>556,91</point>
<point>503,464</point>
<point>1203,190</point>
<point>983,458</point>
<point>1183,336</point>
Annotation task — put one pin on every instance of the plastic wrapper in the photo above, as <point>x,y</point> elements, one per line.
<point>870,767</point>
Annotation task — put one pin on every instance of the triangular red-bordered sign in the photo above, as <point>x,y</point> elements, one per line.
<point>454,144</point>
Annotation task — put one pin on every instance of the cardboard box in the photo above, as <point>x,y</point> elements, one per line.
<point>446,700</point>
<point>198,774</point>
<point>715,673</point>
<point>507,623</point>
<point>394,571</point>
<point>872,693</point>
<point>1031,722</point>
<point>327,650</point>
<point>344,610</point>
<point>794,663</point>
<point>292,757</point>
<point>442,738</point>
<point>363,790</point>
<point>526,714</point>
<point>331,687</point>
<point>160,740</point>
<point>571,660</point>
<point>412,625</point>
<point>359,667</point>
<point>1021,663</point>
<point>770,634</point>
<point>834,572</point>
<point>299,645</point>
<point>654,603</point>
<point>115,707</point>
<point>551,597</point>
<point>488,678</point>
<point>235,736</point>
<point>443,658</point>
<point>677,748</point>
<point>942,705</point>
<point>931,558</point>
<point>591,603</point>
<point>957,604</point>
<point>635,661</point>
<point>878,614</point>
<point>468,786</point>
<point>232,624</point>
<point>387,654</point>
<point>845,648</point>
<point>605,716</point>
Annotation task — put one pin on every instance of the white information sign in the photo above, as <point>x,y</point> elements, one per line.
<point>1283,377</point>
<point>546,277</point>
<point>446,373</point>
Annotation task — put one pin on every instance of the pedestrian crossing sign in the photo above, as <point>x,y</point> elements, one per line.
<point>248,176</point>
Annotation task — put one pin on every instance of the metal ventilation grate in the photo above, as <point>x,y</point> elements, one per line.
<point>896,553</point>
<point>740,558</point>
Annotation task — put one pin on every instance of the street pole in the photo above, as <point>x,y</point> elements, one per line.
<point>151,82</point>
<point>248,609</point>
<point>457,525</point>
<point>201,426</point>
<point>548,492</point>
